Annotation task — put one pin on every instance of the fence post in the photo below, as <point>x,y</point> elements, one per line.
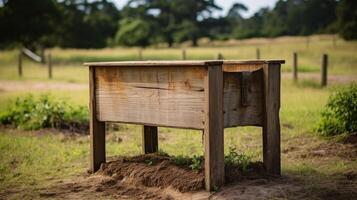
<point>334,40</point>
<point>49,60</point>
<point>258,53</point>
<point>183,54</point>
<point>20,64</point>
<point>295,66</point>
<point>324,70</point>
<point>219,56</point>
<point>140,54</point>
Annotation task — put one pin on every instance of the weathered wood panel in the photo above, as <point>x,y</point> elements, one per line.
<point>248,67</point>
<point>243,98</point>
<point>213,132</point>
<point>271,128</point>
<point>169,96</point>
<point>96,128</point>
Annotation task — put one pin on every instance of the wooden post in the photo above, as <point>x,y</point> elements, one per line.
<point>49,60</point>
<point>140,54</point>
<point>219,56</point>
<point>42,53</point>
<point>20,64</point>
<point>258,53</point>
<point>150,139</point>
<point>271,126</point>
<point>324,66</point>
<point>307,41</point>
<point>96,128</point>
<point>334,40</point>
<point>213,130</point>
<point>295,66</point>
<point>183,54</point>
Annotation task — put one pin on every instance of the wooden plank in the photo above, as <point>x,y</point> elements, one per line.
<point>236,112</point>
<point>242,67</point>
<point>96,128</point>
<point>271,128</point>
<point>150,139</point>
<point>31,55</point>
<point>157,96</point>
<point>183,63</point>
<point>213,132</point>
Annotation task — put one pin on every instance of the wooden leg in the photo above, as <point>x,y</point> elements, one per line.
<point>271,128</point>
<point>97,129</point>
<point>150,140</point>
<point>213,131</point>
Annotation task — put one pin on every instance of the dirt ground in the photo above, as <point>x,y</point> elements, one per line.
<point>156,176</point>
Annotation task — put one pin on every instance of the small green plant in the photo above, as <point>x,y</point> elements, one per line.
<point>181,160</point>
<point>31,113</point>
<point>340,114</point>
<point>196,163</point>
<point>233,158</point>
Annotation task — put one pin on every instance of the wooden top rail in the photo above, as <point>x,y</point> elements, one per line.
<point>185,63</point>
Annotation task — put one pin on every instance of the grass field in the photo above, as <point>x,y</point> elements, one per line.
<point>32,160</point>
<point>68,63</point>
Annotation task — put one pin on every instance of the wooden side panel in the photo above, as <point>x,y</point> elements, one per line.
<point>96,128</point>
<point>271,129</point>
<point>157,96</point>
<point>231,67</point>
<point>213,132</point>
<point>243,98</point>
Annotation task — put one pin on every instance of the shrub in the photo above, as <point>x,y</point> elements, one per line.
<point>340,114</point>
<point>31,113</point>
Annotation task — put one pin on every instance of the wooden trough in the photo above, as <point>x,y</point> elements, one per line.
<point>203,95</point>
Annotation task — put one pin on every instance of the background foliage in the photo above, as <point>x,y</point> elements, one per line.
<point>99,23</point>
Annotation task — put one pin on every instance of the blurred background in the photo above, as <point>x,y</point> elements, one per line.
<point>44,85</point>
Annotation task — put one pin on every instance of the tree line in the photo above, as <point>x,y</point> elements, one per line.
<point>99,23</point>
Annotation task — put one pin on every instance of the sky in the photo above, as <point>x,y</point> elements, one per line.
<point>253,5</point>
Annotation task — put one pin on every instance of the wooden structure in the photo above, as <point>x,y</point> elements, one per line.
<point>203,95</point>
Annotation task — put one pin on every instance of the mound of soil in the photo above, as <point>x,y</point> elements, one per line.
<point>153,170</point>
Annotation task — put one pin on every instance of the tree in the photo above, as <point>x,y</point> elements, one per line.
<point>133,32</point>
<point>29,23</point>
<point>347,19</point>
<point>87,25</point>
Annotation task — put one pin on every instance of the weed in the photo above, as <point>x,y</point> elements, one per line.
<point>234,158</point>
<point>196,164</point>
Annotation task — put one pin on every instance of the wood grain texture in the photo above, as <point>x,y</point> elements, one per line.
<point>170,96</point>
<point>233,67</point>
<point>213,131</point>
<point>237,112</point>
<point>96,128</point>
<point>150,139</point>
<point>271,128</point>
